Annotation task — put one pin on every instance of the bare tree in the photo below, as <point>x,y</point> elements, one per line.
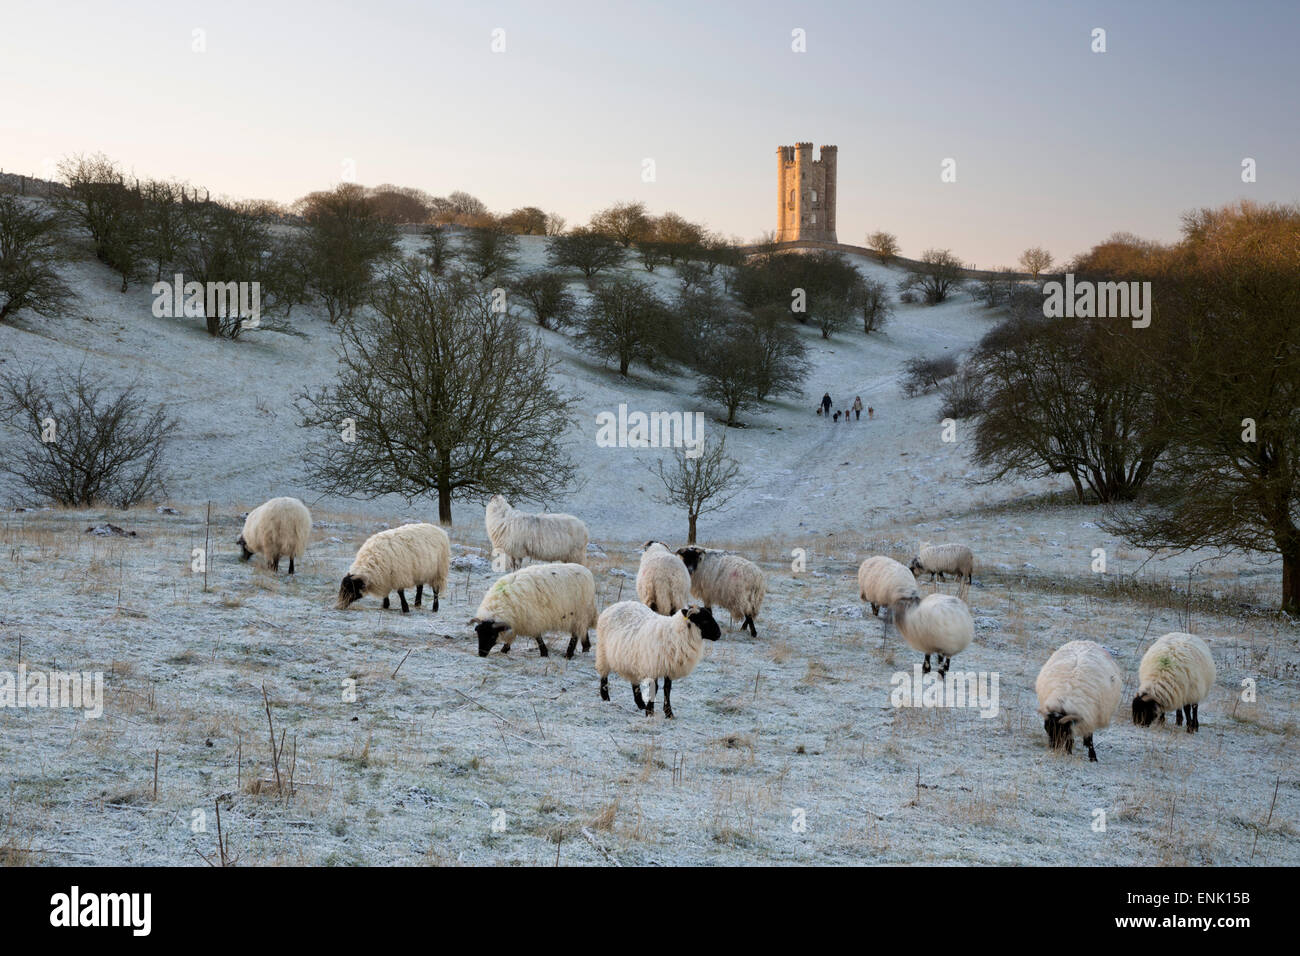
<point>624,321</point>
<point>100,199</point>
<point>1222,359</point>
<point>701,485</point>
<point>82,443</point>
<point>441,395</point>
<point>491,250</point>
<point>163,223</point>
<point>782,362</point>
<point>587,251</point>
<point>555,224</point>
<point>1068,397</point>
<point>872,300</point>
<point>30,250</point>
<point>525,221</point>
<point>348,241</point>
<point>937,275</point>
<point>548,297</point>
<point>1035,260</point>
<point>623,222</point>
<point>831,313</point>
<point>222,249</point>
<point>730,372</point>
<point>923,375</point>
<point>399,204</point>
<point>678,237</point>
<point>439,248</point>
<point>884,244</point>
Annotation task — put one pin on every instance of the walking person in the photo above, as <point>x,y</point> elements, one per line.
<point>857,408</point>
<point>826,404</point>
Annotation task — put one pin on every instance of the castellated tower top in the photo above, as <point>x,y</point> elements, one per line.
<point>805,193</point>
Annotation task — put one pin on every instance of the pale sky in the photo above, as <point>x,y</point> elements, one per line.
<point>1054,144</point>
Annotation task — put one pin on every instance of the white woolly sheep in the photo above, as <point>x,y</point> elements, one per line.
<point>944,559</point>
<point>640,645</point>
<point>727,580</point>
<point>883,582</point>
<point>1176,673</point>
<point>662,582</point>
<point>940,624</point>
<point>542,537</point>
<point>413,555</point>
<point>1078,690</point>
<point>276,529</point>
<point>536,600</point>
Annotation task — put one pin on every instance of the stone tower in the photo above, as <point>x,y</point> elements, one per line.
<point>805,193</point>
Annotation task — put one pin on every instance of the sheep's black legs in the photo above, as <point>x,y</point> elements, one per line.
<point>652,607</point>
<point>668,693</point>
<point>636,695</point>
<point>573,642</point>
<point>1092,754</point>
<point>275,564</point>
<point>385,602</point>
<point>749,623</point>
<point>406,608</point>
<point>1178,716</point>
<point>1191,721</point>
<point>291,564</point>
<point>419,594</point>
<point>604,687</point>
<point>586,642</point>
<point>541,647</point>
<point>435,598</point>
<point>1196,717</point>
<point>650,704</point>
<point>925,668</point>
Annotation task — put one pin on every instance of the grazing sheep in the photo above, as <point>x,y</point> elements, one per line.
<point>662,582</point>
<point>727,580</point>
<point>410,556</point>
<point>276,529</point>
<point>1176,673</point>
<point>542,537</point>
<point>1078,690</point>
<point>533,601</point>
<point>884,582</point>
<point>640,645</point>
<point>940,624</point>
<point>944,559</point>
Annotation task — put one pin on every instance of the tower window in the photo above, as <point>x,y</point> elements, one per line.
<point>814,195</point>
<point>814,219</point>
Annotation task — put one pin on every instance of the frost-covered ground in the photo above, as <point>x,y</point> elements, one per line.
<point>793,726</point>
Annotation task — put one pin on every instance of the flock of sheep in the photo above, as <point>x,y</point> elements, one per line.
<point>661,635</point>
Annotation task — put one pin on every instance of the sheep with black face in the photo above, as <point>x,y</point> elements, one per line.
<point>727,580</point>
<point>1078,690</point>
<point>640,645</point>
<point>411,556</point>
<point>279,528</point>
<point>1176,674</point>
<point>662,582</point>
<point>537,600</point>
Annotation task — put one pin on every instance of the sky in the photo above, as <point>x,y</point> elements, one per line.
<point>1055,144</point>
